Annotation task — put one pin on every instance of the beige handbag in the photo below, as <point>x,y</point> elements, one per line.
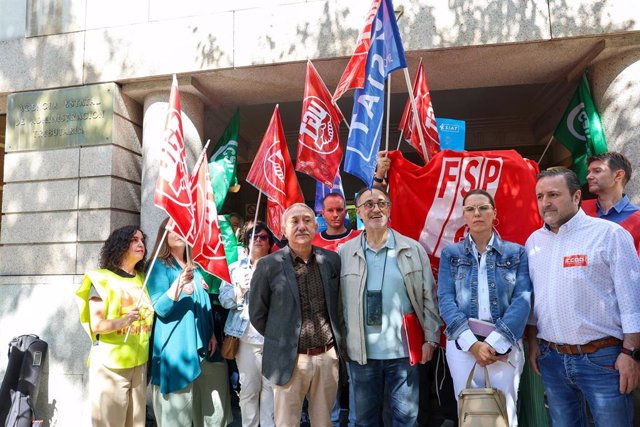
<point>482,407</point>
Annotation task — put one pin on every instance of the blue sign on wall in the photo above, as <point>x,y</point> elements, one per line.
<point>451,133</point>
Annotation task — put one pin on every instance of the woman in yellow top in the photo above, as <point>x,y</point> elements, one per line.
<point>108,301</point>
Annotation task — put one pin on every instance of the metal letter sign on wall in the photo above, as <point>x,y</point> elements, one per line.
<point>60,118</point>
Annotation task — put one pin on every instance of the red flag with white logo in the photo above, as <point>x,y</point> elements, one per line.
<point>426,116</point>
<point>172,192</point>
<point>208,248</point>
<point>319,151</point>
<point>354,74</point>
<point>274,216</point>
<point>272,171</point>
<point>426,201</point>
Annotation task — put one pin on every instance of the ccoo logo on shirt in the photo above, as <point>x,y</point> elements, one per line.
<point>574,261</point>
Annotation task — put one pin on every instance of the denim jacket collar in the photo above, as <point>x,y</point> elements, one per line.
<point>496,245</point>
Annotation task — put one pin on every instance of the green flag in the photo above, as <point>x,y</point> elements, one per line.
<point>223,164</point>
<point>580,130</point>
<point>230,249</point>
<point>222,168</point>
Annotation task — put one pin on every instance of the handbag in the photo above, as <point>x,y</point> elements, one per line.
<point>482,407</point>
<point>229,347</point>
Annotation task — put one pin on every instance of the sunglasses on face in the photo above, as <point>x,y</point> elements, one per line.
<point>260,237</point>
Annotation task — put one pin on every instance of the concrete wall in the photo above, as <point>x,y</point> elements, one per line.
<point>58,208</point>
<point>86,41</point>
<point>45,306</point>
<point>59,205</point>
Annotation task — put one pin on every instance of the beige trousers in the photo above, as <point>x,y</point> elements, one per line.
<point>117,396</point>
<point>314,377</point>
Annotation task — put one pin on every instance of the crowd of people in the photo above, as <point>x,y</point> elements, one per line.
<point>320,320</point>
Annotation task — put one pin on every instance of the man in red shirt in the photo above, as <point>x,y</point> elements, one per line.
<point>334,211</point>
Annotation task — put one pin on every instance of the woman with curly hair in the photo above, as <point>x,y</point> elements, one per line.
<point>188,376</point>
<point>112,301</point>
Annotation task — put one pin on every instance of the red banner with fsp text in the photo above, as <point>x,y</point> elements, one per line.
<point>426,201</point>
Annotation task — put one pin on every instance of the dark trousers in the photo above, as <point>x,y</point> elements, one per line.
<point>435,376</point>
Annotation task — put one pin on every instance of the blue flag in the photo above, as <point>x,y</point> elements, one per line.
<point>322,191</point>
<point>386,54</point>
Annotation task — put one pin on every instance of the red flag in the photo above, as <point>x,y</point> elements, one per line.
<point>208,248</point>
<point>172,187</point>
<point>272,171</point>
<point>427,200</point>
<point>274,216</point>
<point>319,151</point>
<point>426,116</point>
<point>354,74</point>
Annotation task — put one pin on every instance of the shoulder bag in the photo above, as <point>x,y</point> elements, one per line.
<point>482,407</point>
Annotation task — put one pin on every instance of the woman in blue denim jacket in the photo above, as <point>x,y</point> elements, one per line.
<point>484,294</point>
<point>256,394</point>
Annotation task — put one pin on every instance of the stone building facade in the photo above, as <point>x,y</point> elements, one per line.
<point>506,67</point>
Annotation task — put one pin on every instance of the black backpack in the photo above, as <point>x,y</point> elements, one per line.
<point>19,389</point>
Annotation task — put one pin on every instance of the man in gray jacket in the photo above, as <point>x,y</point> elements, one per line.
<point>384,276</point>
<point>294,303</point>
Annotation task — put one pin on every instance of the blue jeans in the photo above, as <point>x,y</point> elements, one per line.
<point>569,380</point>
<point>335,411</point>
<point>369,384</point>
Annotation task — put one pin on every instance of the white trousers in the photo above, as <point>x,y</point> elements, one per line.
<point>502,375</point>
<point>256,394</point>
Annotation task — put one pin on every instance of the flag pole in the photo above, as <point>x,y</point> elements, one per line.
<point>416,119</point>
<point>253,228</point>
<point>346,123</point>
<point>400,139</point>
<point>146,278</point>
<point>545,149</point>
<point>388,110</point>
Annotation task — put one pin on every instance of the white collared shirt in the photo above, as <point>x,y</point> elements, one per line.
<point>586,281</point>
<point>495,339</point>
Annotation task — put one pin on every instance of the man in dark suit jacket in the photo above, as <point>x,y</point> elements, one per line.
<point>294,302</point>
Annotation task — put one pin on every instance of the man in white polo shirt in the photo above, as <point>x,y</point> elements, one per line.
<point>586,313</point>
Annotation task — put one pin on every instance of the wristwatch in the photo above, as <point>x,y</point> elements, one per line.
<point>633,352</point>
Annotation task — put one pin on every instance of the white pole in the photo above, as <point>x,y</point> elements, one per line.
<point>545,149</point>
<point>146,278</point>
<point>416,119</point>
<point>253,229</point>
<point>346,123</point>
<point>400,139</point>
<point>388,110</point>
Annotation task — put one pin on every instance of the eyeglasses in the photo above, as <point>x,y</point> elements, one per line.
<point>369,204</point>
<point>261,237</point>
<point>480,208</point>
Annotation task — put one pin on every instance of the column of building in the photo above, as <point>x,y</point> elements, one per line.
<point>616,91</point>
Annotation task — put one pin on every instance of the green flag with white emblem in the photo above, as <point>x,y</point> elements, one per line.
<point>223,164</point>
<point>580,129</point>
<point>222,168</point>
